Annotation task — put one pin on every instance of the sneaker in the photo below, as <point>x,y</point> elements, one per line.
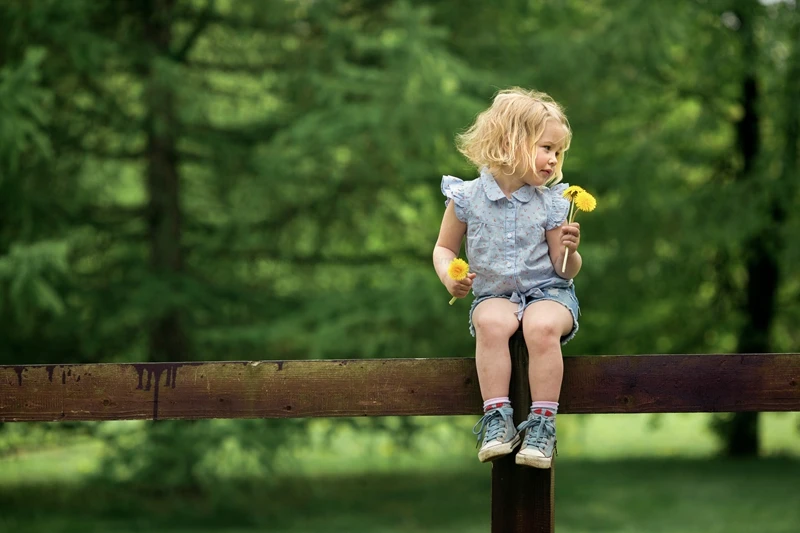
<point>499,435</point>
<point>539,443</point>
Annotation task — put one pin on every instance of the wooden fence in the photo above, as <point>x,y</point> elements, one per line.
<point>522,497</point>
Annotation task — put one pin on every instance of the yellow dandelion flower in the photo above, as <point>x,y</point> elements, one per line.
<point>572,191</point>
<point>580,200</point>
<point>585,201</point>
<point>458,269</point>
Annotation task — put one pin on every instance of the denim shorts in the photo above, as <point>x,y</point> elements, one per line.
<point>563,295</point>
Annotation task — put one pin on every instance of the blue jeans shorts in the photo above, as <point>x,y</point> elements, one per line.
<point>563,295</point>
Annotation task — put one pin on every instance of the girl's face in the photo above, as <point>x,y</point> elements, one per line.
<point>547,152</point>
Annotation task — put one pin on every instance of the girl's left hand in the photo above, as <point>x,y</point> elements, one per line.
<point>571,236</point>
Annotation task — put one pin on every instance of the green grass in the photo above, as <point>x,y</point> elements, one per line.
<point>656,495</point>
<point>447,445</point>
<point>627,473</point>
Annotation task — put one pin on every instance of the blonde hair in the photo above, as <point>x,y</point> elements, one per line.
<point>516,119</point>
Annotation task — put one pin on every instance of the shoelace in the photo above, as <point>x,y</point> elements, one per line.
<point>492,424</point>
<point>540,428</point>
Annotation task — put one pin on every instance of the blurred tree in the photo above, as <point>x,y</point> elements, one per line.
<point>242,171</point>
<point>34,234</point>
<point>766,242</point>
<point>192,179</point>
<point>163,215</point>
<point>760,249</point>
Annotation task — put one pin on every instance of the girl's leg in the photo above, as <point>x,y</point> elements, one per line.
<point>495,322</point>
<point>543,324</point>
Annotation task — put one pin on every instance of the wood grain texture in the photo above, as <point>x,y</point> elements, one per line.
<point>681,383</point>
<point>259,389</point>
<point>376,387</point>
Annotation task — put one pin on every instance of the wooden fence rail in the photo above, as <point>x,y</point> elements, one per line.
<point>378,387</point>
<point>522,498</point>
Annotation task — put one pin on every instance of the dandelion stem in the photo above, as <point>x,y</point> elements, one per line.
<point>453,300</point>
<point>570,218</point>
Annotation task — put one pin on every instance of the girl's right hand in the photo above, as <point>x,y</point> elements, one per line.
<point>461,288</point>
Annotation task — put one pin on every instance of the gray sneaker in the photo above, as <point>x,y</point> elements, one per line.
<point>499,435</point>
<point>539,443</point>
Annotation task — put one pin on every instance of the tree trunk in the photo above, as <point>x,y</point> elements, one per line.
<point>790,169</point>
<point>741,429</point>
<point>764,247</point>
<point>167,338</point>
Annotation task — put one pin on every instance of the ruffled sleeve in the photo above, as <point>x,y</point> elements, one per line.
<point>453,189</point>
<point>557,206</point>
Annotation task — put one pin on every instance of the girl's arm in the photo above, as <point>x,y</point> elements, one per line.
<point>447,246</point>
<point>569,236</point>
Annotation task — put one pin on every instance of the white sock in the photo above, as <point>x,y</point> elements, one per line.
<point>494,403</point>
<point>544,408</point>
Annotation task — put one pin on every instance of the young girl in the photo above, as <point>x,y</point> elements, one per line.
<point>514,218</point>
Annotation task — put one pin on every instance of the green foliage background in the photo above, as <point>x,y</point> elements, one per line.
<point>241,179</point>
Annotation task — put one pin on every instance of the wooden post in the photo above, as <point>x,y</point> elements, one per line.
<point>522,497</point>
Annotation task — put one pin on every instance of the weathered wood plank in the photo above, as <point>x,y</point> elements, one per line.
<point>376,387</point>
<point>258,389</point>
<point>681,383</point>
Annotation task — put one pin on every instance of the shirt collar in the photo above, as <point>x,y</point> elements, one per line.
<point>523,194</point>
<point>493,192</point>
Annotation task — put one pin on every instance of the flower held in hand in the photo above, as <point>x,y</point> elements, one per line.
<point>584,202</point>
<point>457,270</point>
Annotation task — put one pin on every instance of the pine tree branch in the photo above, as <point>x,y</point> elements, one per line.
<point>246,135</point>
<point>101,94</point>
<point>232,22</point>
<point>202,23</point>
<point>395,258</point>
<point>76,143</point>
<point>95,115</point>
<point>246,68</point>
<point>119,155</point>
<point>190,157</point>
<point>399,259</point>
<point>233,94</point>
<point>112,218</point>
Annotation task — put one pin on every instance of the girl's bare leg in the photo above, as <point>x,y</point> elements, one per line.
<point>495,321</point>
<point>543,325</point>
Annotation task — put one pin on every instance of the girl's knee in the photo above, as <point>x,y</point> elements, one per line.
<point>542,332</point>
<point>492,324</point>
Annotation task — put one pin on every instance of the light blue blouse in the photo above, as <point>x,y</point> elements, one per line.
<point>506,245</point>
